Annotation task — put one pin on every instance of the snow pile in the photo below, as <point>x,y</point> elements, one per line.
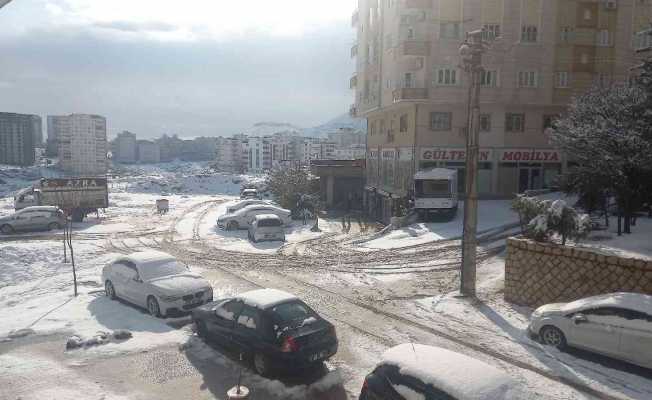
<point>75,342</point>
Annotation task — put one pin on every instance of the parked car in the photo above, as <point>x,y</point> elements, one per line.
<point>266,227</point>
<point>617,325</point>
<point>413,371</point>
<point>276,329</point>
<point>242,218</point>
<point>250,194</point>
<point>157,282</point>
<point>37,218</point>
<point>246,203</point>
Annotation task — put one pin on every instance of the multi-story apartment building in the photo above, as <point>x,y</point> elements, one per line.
<point>55,125</point>
<point>37,123</point>
<point>148,152</point>
<point>409,87</point>
<point>82,144</point>
<point>353,152</point>
<point>17,133</point>
<point>228,155</point>
<point>126,148</point>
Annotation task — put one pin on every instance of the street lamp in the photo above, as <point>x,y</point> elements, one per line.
<point>471,62</point>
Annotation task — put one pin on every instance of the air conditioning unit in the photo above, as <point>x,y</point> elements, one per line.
<point>610,4</point>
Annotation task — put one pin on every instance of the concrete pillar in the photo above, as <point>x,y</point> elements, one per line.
<point>494,173</point>
<point>330,187</point>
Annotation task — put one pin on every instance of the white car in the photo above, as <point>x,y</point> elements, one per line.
<point>246,203</point>
<point>156,281</point>
<point>415,371</point>
<point>266,227</point>
<point>242,218</point>
<point>617,325</point>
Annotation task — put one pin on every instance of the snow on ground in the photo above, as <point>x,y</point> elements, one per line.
<point>638,244</point>
<point>491,214</point>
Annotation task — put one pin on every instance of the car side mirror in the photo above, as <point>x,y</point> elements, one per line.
<point>579,319</point>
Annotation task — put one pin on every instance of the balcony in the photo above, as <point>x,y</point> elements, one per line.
<point>354,51</point>
<point>353,111</point>
<point>355,18</point>
<point>421,4</point>
<point>410,94</point>
<point>353,82</point>
<point>415,48</point>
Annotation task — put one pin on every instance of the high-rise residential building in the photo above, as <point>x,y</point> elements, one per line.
<point>148,152</point>
<point>17,133</point>
<point>37,123</point>
<point>82,145</point>
<point>410,88</point>
<point>126,148</point>
<point>55,125</point>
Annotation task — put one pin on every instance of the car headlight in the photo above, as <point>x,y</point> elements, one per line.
<point>170,298</point>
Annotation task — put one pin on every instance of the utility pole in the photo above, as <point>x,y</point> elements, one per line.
<point>471,55</point>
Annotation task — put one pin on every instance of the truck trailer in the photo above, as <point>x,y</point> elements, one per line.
<point>77,196</point>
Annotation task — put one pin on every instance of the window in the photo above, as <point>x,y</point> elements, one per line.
<point>292,313</point>
<point>566,34</point>
<point>410,33</point>
<point>485,122</point>
<point>440,121</point>
<point>491,31</point>
<point>529,33</point>
<point>403,123</point>
<point>228,311</point>
<point>588,15</point>
<point>446,76</point>
<point>548,121</point>
<point>388,84</point>
<point>489,78</point>
<point>514,122</point>
<point>449,30</point>
<point>603,38</point>
<point>528,79</point>
<point>561,80</point>
<point>407,80</point>
<point>248,318</point>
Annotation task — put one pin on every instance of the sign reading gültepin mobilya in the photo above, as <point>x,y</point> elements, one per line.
<point>502,155</point>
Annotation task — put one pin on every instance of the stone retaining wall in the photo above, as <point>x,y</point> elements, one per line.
<point>541,273</point>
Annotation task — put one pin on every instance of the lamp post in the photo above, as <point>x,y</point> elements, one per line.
<point>471,56</point>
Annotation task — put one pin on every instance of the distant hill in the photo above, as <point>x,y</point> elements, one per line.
<point>341,121</point>
<point>270,128</point>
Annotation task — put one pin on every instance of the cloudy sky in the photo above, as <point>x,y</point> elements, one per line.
<point>190,67</point>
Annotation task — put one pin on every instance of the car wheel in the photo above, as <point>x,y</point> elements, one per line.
<point>153,307</point>
<point>231,226</point>
<point>7,229</point>
<point>201,329</point>
<point>109,290</point>
<point>53,226</point>
<point>261,364</point>
<point>552,336</point>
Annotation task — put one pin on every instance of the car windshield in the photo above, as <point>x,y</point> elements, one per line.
<point>270,222</point>
<point>432,188</point>
<point>162,268</point>
<point>293,313</point>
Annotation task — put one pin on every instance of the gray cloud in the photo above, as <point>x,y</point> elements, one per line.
<point>190,88</point>
<point>127,26</point>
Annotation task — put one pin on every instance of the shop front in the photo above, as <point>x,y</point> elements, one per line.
<point>455,158</point>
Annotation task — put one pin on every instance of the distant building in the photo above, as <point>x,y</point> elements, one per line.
<point>257,152</point>
<point>126,148</point>
<point>82,145</point>
<point>346,137</point>
<point>17,132</point>
<point>353,152</point>
<point>228,154</point>
<point>55,125</point>
<point>37,123</point>
<point>148,152</point>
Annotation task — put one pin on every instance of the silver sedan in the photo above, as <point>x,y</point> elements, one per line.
<point>617,325</point>
<point>156,281</point>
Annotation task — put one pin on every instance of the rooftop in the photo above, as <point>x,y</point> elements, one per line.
<point>265,298</point>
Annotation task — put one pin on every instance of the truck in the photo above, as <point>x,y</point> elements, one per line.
<point>78,196</point>
<point>435,193</point>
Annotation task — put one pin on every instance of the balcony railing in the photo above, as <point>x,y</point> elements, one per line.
<point>411,93</point>
<point>415,48</point>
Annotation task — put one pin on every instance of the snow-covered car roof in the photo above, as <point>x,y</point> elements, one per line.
<point>250,190</point>
<point>461,376</point>
<point>436,173</point>
<point>631,301</point>
<point>265,298</point>
<point>244,210</point>
<point>266,216</point>
<point>39,208</point>
<point>149,257</point>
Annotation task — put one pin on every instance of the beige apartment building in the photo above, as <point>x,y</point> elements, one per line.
<point>82,144</point>
<point>409,87</point>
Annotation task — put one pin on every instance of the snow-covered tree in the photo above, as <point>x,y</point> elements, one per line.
<point>606,134</point>
<point>294,189</point>
<point>544,220</point>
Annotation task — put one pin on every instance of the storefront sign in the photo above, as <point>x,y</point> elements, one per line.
<point>389,154</point>
<point>451,154</point>
<point>530,155</point>
<point>372,154</point>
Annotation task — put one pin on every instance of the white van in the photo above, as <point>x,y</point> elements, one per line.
<point>266,227</point>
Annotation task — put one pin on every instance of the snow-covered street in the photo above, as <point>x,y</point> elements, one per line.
<point>379,291</point>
